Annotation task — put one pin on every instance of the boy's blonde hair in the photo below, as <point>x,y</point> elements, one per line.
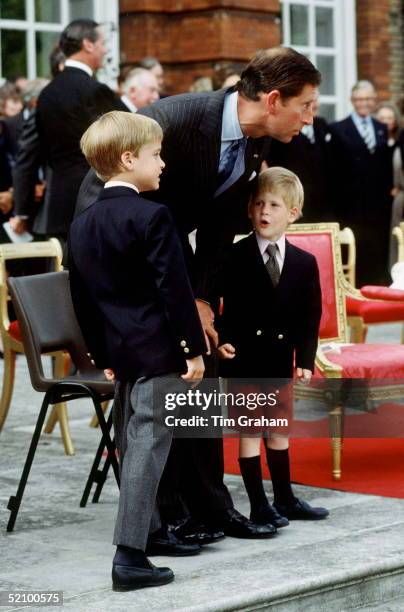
<point>282,182</point>
<point>114,133</point>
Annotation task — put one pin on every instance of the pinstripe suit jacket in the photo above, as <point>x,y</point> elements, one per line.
<point>192,126</point>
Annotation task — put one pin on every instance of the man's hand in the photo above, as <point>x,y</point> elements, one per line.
<point>39,190</point>
<point>109,374</point>
<point>18,225</point>
<point>226,351</point>
<point>6,201</point>
<point>303,375</point>
<point>195,369</point>
<point>207,319</point>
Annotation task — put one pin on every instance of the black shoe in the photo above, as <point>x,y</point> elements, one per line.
<point>236,525</point>
<point>129,577</point>
<point>171,546</point>
<point>269,514</point>
<point>301,510</point>
<point>192,531</point>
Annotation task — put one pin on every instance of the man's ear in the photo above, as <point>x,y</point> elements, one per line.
<point>273,98</point>
<point>87,45</point>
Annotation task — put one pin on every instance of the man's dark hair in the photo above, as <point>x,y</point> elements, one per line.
<point>280,68</point>
<point>71,39</point>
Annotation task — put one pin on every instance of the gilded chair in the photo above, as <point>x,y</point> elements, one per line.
<point>11,335</point>
<point>381,364</point>
<point>398,233</point>
<point>371,304</point>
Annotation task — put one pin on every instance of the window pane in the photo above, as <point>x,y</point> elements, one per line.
<point>326,65</point>
<point>44,43</point>
<point>324,27</point>
<point>299,24</point>
<point>12,9</point>
<point>13,53</point>
<point>327,111</point>
<point>81,9</point>
<point>47,10</point>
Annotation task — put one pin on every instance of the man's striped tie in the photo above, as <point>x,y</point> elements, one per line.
<point>368,136</point>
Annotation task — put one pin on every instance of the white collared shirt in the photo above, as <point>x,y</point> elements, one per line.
<point>231,129</point>
<point>280,251</point>
<point>121,184</point>
<point>69,63</point>
<point>129,104</point>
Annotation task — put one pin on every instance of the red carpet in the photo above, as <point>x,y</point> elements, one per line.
<point>370,464</point>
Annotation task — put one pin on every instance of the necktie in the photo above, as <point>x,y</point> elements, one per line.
<point>229,159</point>
<point>272,264</point>
<point>368,136</point>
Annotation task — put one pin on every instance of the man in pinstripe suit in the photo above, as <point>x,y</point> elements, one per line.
<point>214,144</point>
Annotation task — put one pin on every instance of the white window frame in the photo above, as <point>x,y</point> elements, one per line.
<point>344,49</point>
<point>103,12</point>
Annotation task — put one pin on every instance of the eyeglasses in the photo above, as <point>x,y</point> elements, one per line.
<point>368,99</point>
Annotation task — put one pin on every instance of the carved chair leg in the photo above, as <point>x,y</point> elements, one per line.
<point>336,422</point>
<point>94,421</point>
<point>8,383</point>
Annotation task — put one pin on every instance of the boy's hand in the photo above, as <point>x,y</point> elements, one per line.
<point>195,369</point>
<point>226,351</point>
<point>109,374</point>
<point>207,319</point>
<point>303,375</point>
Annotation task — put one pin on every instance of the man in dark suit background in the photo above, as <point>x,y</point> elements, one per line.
<point>309,156</point>
<point>66,107</point>
<point>214,144</point>
<point>363,201</point>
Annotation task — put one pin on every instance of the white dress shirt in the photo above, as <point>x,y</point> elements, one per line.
<point>69,63</point>
<point>120,184</point>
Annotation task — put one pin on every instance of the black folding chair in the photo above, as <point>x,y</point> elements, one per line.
<point>48,323</point>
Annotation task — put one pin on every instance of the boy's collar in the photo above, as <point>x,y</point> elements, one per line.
<point>120,184</point>
<point>263,243</point>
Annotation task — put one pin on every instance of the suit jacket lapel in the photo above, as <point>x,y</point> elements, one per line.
<point>355,135</point>
<point>208,141</point>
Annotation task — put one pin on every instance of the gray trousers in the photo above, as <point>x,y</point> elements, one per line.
<point>143,441</point>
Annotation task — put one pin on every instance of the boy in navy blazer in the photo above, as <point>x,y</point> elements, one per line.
<point>136,309</point>
<point>269,329</point>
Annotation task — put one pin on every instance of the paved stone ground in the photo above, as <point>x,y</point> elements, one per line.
<point>58,546</point>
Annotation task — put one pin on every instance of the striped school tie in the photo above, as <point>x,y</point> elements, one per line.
<point>367,136</point>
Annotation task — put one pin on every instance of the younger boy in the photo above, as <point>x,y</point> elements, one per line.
<point>135,307</point>
<point>271,317</point>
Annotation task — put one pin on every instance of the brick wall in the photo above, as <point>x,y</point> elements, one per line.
<point>380,45</point>
<point>397,50</point>
<point>190,37</point>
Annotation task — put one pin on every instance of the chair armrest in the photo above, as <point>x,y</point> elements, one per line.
<point>327,367</point>
<point>376,292</point>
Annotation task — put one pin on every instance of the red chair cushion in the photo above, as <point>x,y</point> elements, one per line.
<point>382,293</point>
<point>369,360</point>
<point>14,331</point>
<point>320,245</point>
<point>373,311</point>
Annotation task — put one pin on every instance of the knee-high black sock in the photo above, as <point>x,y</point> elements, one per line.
<point>278,463</point>
<point>130,556</point>
<point>250,468</point>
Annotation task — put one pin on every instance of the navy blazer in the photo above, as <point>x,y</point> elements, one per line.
<point>130,287</point>
<point>269,326</point>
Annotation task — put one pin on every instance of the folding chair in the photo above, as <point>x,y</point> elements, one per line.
<point>49,325</point>
<point>10,330</point>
